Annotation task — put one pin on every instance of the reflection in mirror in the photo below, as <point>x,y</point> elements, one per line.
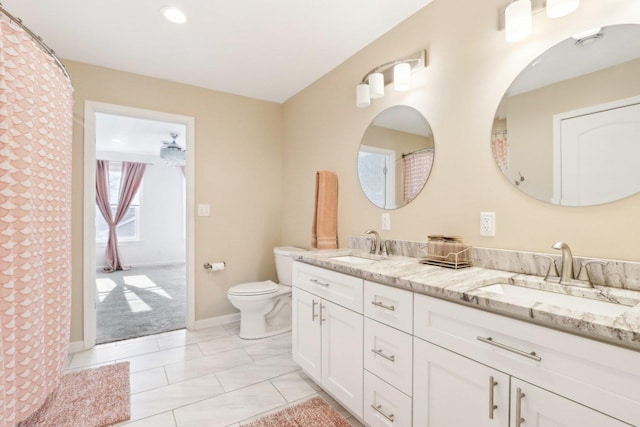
<point>395,157</point>
<point>567,131</point>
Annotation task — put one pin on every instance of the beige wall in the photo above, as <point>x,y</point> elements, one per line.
<point>470,67</point>
<point>530,124</point>
<point>238,147</point>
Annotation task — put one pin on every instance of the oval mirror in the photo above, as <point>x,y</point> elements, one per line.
<point>395,157</point>
<point>567,131</point>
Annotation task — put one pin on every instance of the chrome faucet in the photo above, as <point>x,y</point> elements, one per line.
<point>567,276</point>
<point>375,244</point>
<point>566,270</point>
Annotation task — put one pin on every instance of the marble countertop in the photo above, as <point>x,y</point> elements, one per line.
<point>464,286</point>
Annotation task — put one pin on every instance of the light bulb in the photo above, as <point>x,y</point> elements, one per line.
<point>402,76</point>
<point>518,20</point>
<point>559,8</point>
<point>376,85</point>
<point>362,95</point>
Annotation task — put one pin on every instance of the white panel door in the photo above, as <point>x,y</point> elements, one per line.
<point>450,390</point>
<point>600,156</point>
<point>540,408</point>
<point>306,336</point>
<point>342,363</point>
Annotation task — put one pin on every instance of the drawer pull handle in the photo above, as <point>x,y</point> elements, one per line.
<point>378,410</point>
<point>381,305</point>
<point>313,310</point>
<point>392,358</point>
<point>492,406</point>
<point>490,341</point>
<point>317,282</point>
<point>519,396</point>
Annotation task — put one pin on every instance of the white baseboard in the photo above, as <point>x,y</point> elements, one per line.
<point>217,321</point>
<point>76,346</point>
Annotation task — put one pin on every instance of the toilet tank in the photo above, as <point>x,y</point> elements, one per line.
<point>284,263</point>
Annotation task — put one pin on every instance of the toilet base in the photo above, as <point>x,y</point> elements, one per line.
<point>255,325</point>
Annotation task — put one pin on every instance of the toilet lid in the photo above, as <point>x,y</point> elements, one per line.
<point>254,288</point>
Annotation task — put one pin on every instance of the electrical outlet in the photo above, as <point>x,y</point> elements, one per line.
<point>487,223</point>
<point>386,222</point>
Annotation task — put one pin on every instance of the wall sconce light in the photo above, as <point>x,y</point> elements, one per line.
<point>518,15</point>
<point>398,72</point>
<point>559,8</point>
<point>518,20</point>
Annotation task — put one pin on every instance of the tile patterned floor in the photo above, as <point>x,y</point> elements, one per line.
<point>206,378</point>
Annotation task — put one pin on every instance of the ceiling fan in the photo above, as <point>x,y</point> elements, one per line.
<point>172,153</point>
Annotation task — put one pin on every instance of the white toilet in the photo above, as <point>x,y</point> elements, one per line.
<point>265,307</point>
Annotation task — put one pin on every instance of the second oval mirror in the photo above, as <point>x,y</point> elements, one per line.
<point>395,157</point>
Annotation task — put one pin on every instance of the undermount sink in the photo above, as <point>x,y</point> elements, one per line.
<point>352,259</point>
<point>561,300</point>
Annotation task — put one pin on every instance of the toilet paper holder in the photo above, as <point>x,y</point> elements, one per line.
<point>215,266</point>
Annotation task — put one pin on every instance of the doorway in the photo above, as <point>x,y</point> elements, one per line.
<point>155,235</point>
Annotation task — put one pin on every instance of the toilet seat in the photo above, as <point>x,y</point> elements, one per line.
<point>254,288</point>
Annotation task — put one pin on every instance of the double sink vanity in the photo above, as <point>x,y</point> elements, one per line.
<point>400,343</point>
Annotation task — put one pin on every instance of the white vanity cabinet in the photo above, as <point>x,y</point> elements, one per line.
<point>566,379</point>
<point>326,336</point>
<point>452,390</point>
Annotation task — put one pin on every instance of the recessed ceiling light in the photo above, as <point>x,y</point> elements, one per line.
<point>174,15</point>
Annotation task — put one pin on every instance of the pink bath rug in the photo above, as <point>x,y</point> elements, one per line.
<point>312,412</point>
<point>92,397</point>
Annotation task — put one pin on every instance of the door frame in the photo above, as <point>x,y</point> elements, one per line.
<point>89,208</point>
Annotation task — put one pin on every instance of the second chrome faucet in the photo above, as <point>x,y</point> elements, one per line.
<point>567,277</point>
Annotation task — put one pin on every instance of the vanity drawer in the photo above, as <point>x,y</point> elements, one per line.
<point>388,353</point>
<point>385,406</point>
<point>598,375</point>
<point>389,305</point>
<point>336,287</point>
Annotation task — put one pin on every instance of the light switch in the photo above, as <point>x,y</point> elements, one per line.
<point>386,221</point>
<point>204,210</point>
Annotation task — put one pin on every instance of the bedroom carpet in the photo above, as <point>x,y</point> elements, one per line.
<point>140,301</point>
<point>93,397</point>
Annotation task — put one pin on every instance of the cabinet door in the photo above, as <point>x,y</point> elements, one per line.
<point>342,365</point>
<point>536,407</point>
<point>451,390</point>
<point>305,329</point>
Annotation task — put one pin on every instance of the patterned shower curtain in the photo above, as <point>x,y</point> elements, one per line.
<point>35,224</point>
<point>416,168</point>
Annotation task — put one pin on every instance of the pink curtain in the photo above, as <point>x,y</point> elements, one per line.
<point>500,150</point>
<point>35,224</point>
<point>130,180</point>
<point>416,168</point>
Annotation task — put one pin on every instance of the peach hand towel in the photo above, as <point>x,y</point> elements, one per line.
<point>324,234</point>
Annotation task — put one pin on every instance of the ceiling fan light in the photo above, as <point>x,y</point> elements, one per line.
<point>559,8</point>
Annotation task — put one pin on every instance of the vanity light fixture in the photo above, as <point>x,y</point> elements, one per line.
<point>518,20</point>
<point>174,15</point>
<point>398,72</point>
<point>559,8</point>
<point>518,15</point>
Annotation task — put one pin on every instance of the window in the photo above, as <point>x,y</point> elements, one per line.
<point>129,228</point>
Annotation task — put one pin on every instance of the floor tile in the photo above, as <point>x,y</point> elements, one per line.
<point>261,370</point>
<point>173,396</point>
<point>184,337</point>
<point>231,407</point>
<point>162,357</point>
<point>148,380</point>
<point>295,386</point>
<point>107,353</point>
<point>164,419</point>
<point>233,328</point>
<point>206,365</point>
<point>275,345</point>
